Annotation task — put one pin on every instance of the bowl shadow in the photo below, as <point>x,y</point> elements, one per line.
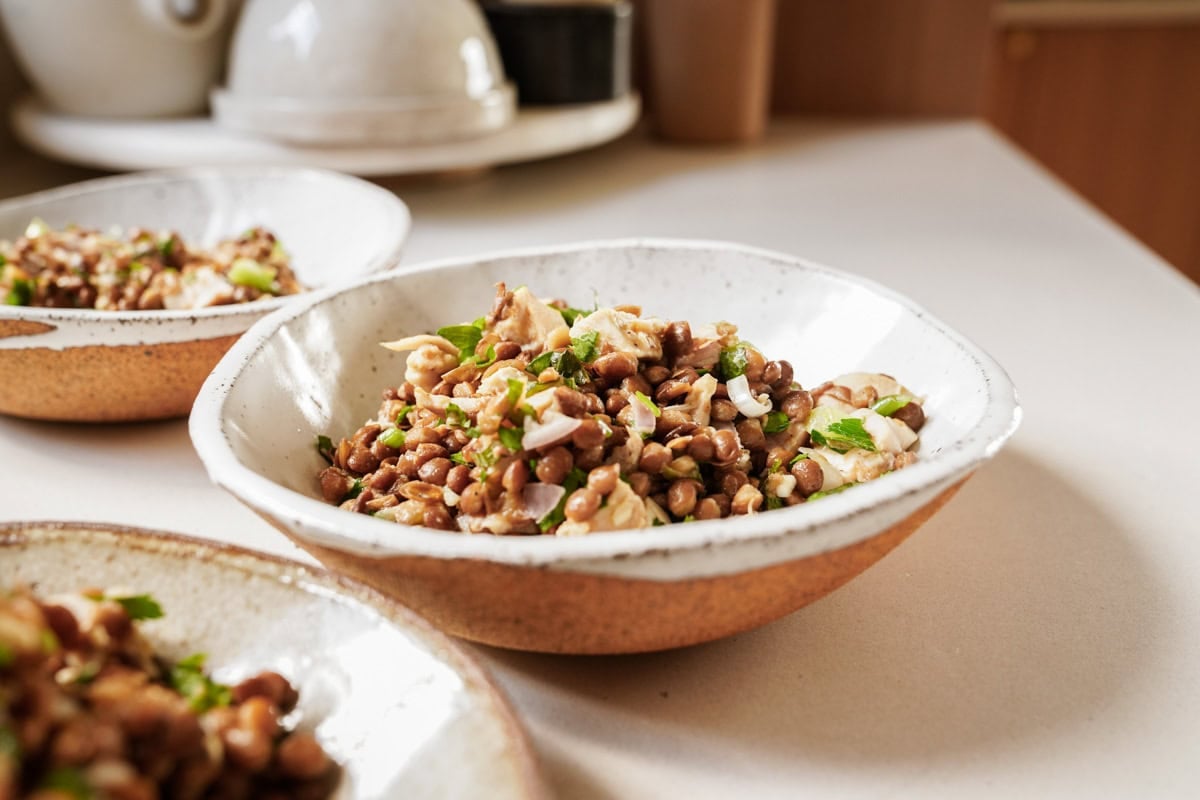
<point>958,639</point>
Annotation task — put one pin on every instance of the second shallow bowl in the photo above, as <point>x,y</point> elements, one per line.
<point>107,366</point>
<point>318,369</point>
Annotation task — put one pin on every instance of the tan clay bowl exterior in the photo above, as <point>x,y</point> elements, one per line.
<point>524,608</point>
<point>105,383</point>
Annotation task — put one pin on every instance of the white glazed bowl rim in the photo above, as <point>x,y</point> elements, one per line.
<point>227,313</point>
<point>808,529</point>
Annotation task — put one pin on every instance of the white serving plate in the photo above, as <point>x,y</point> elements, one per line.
<point>115,144</point>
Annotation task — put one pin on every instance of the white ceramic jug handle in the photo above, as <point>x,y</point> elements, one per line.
<point>187,19</point>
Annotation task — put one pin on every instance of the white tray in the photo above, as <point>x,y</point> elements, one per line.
<point>115,144</point>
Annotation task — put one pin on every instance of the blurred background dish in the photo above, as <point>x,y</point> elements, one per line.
<point>154,144</point>
<point>82,364</point>
<point>402,709</point>
<point>367,72</point>
<point>121,58</point>
<point>563,53</point>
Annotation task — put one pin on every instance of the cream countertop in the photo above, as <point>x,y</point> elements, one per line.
<point>1036,638</point>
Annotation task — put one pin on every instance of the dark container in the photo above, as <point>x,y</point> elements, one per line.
<point>564,54</point>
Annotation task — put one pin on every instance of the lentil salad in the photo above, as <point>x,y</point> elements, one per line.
<point>89,711</point>
<point>540,418</point>
<point>78,267</point>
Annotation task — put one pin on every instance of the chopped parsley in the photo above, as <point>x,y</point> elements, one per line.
<point>202,692</point>
<point>776,422</point>
<point>393,438</point>
<point>565,362</point>
<point>845,434</point>
<point>515,389</point>
<point>648,403</point>
<point>888,405</point>
<point>575,478</point>
<point>569,315</point>
<point>586,347</point>
<point>166,246</point>
<point>774,501</point>
<point>456,417</point>
<point>488,358</point>
<point>355,490</point>
<point>733,361</point>
<point>138,606</point>
<point>458,458</point>
<point>21,293</point>
<point>464,337</point>
<point>799,457</point>
<point>511,438</point>
<point>325,448</point>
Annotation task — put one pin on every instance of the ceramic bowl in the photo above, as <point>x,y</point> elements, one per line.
<point>87,365</point>
<point>400,707</point>
<point>368,72</point>
<point>317,369</point>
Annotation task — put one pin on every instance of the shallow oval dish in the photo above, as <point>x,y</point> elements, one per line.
<point>89,365</point>
<point>317,369</point>
<point>402,709</point>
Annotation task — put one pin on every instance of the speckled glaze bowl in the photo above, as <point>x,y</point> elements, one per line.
<point>108,366</point>
<point>317,369</point>
<point>401,708</point>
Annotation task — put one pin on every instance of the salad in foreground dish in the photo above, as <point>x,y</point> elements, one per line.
<point>542,418</point>
<point>142,270</point>
<point>88,711</point>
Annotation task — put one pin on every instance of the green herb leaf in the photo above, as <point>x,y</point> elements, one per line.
<point>511,438</point>
<point>648,403</point>
<point>325,448</point>
<point>843,435</point>
<point>539,364</point>
<point>202,693</point>
<point>799,457</point>
<point>355,490</point>
<point>889,404</point>
<point>585,347</point>
<point>569,315</point>
<point>458,458</point>
<point>248,272</point>
<point>21,293</point>
<point>456,417</point>
<point>774,501</point>
<point>488,358</point>
<point>402,414</point>
<point>393,438</point>
<point>842,488</point>
<point>569,366</point>
<point>139,606</point>
<point>776,422</point>
<point>166,246</point>
<point>575,478</point>
<point>69,780</point>
<point>515,389</point>
<point>733,362</point>
<point>464,337</point>
<point>3,260</point>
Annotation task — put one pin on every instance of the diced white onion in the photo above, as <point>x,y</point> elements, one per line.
<point>747,404</point>
<point>541,498</point>
<point>785,486</point>
<point>449,496</point>
<point>555,429</point>
<point>643,418</point>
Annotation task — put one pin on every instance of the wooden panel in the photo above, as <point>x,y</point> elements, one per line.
<point>881,56</point>
<point>1116,113</point>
